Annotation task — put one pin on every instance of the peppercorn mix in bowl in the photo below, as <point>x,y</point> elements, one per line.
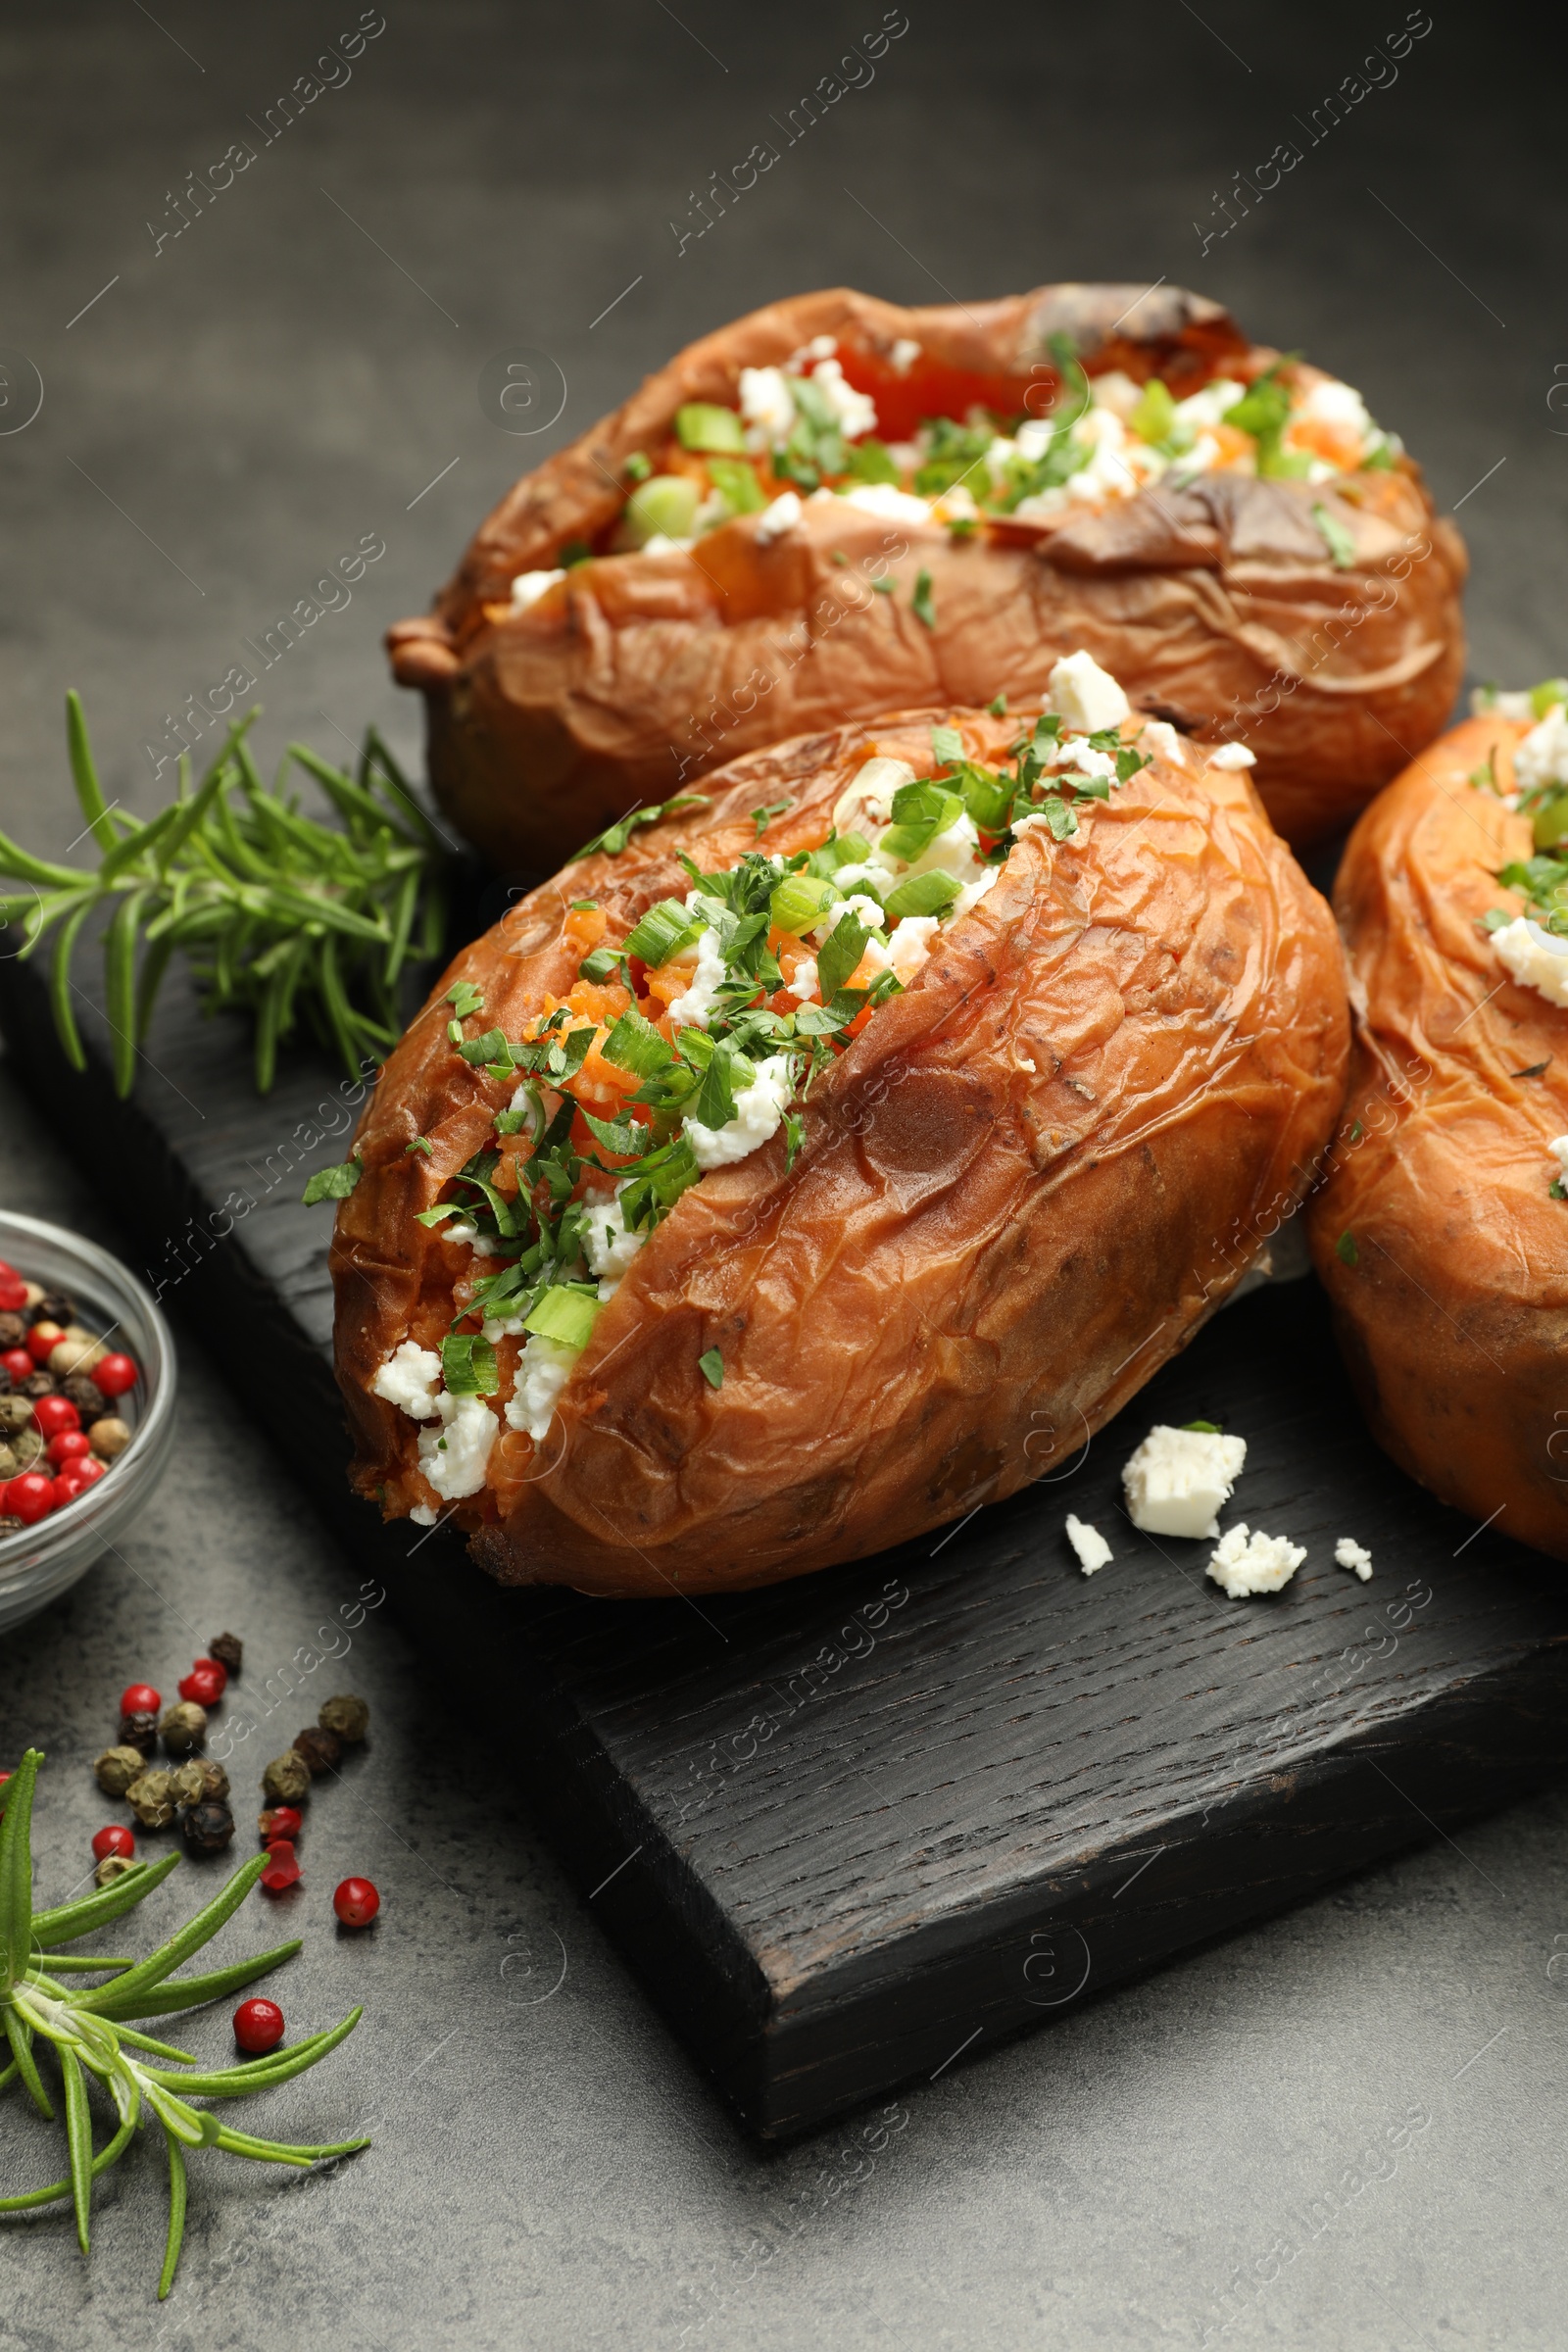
<point>48,1542</point>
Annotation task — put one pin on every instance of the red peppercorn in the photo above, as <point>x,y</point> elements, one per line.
<point>75,1478</point>
<point>30,1498</point>
<point>280,1820</point>
<point>355,1902</point>
<point>206,1682</point>
<point>71,1445</point>
<point>257,2027</point>
<point>141,1698</point>
<point>13,1293</point>
<point>114,1374</point>
<point>116,1840</point>
<point>42,1339</point>
<point>52,1414</point>
<point>281,1868</point>
<point>18,1363</point>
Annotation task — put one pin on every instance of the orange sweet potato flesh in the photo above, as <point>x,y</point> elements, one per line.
<point>1017,1196</point>
<point>1453,1320</point>
<point>1218,607</point>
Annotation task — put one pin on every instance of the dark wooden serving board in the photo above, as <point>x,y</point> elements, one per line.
<point>854,1830</point>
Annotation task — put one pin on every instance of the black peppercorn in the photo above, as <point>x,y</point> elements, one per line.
<point>207,1828</point>
<point>12,1331</point>
<point>323,1751</point>
<point>228,1649</point>
<point>5,1381</point>
<point>39,1384</point>
<point>139,1730</point>
<point>9,1526</point>
<point>53,1307</point>
<point>86,1396</point>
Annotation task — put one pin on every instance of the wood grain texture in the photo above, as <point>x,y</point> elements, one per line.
<point>851,1830</point>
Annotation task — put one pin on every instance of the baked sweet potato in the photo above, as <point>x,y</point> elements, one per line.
<point>1000,1203</point>
<point>1442,1234</point>
<point>1282,580</point>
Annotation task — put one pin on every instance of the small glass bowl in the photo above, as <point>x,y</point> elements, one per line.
<point>38,1563</point>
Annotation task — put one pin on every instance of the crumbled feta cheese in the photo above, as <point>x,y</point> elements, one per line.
<point>1351,1555</point>
<point>854,413</point>
<point>692,1008</point>
<point>759,1108</point>
<point>1085,696</point>
<point>1089,1544</point>
<point>803,985</point>
<point>1116,391</point>
<point>662,544</point>
<point>1558,1147</point>
<point>504,1327</point>
<point>1543,756</point>
<point>1535,956</point>
<point>1208,407</point>
<point>902,357</point>
<point>766,402</point>
<point>956,504</point>
<point>1162,739</point>
<point>1179,1480</point>
<point>409,1378</point>
<point>820,347</point>
<point>870,794</point>
<point>607,1244</point>
<point>459,1228</point>
<point>781,516</point>
<point>973,892</point>
<point>455,1456</point>
<point>529,586</point>
<point>423,1515</point>
<point>866,910</point>
<point>1241,1564</point>
<point>1231,755</point>
<point>952,852</point>
<point>525,1099</point>
<point>1335,403</point>
<point>1077,754</point>
<point>887,501</point>
<point>543,1371</point>
<point>907,950</point>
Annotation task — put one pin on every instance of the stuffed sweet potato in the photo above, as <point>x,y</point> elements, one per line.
<point>798,1172</point>
<point>1442,1234</point>
<point>836,507</point>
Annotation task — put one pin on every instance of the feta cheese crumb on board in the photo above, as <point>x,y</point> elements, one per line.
<point>1241,1564</point>
<point>1179,1480</point>
<point>1089,1544</point>
<point>1352,1555</point>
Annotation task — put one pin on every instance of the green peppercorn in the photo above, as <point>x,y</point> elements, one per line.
<point>15,1414</point>
<point>207,1828</point>
<point>287,1779</point>
<point>26,1446</point>
<point>112,1866</point>
<point>152,1798</point>
<point>349,1717</point>
<point>117,1768</point>
<point>185,1727</point>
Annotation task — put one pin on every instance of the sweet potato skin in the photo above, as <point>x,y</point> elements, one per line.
<point>1453,1320</point>
<point>1218,607</point>
<point>1014,1202</point>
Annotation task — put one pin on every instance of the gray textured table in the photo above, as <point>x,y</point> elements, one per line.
<point>1339,2130</point>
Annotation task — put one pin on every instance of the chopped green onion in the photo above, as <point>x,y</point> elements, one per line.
<point>700,425</point>
<point>800,901</point>
<point>1340,542</point>
<point>464,998</point>
<point>712,1368</point>
<point>663,507</point>
<point>920,811</point>
<point>636,1045</point>
<point>924,893</point>
<point>614,838</point>
<point>637,468</point>
<point>662,931</point>
<point>468,1365</point>
<point>839,954</point>
<point>920,604</point>
<point>600,965</point>
<point>737,485</point>
<point>1156,414</point>
<point>947,746</point>
<point>566,1314</point>
<point>1548,693</point>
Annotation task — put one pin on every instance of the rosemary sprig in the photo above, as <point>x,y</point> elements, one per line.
<point>91,2035</point>
<point>277,915</point>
